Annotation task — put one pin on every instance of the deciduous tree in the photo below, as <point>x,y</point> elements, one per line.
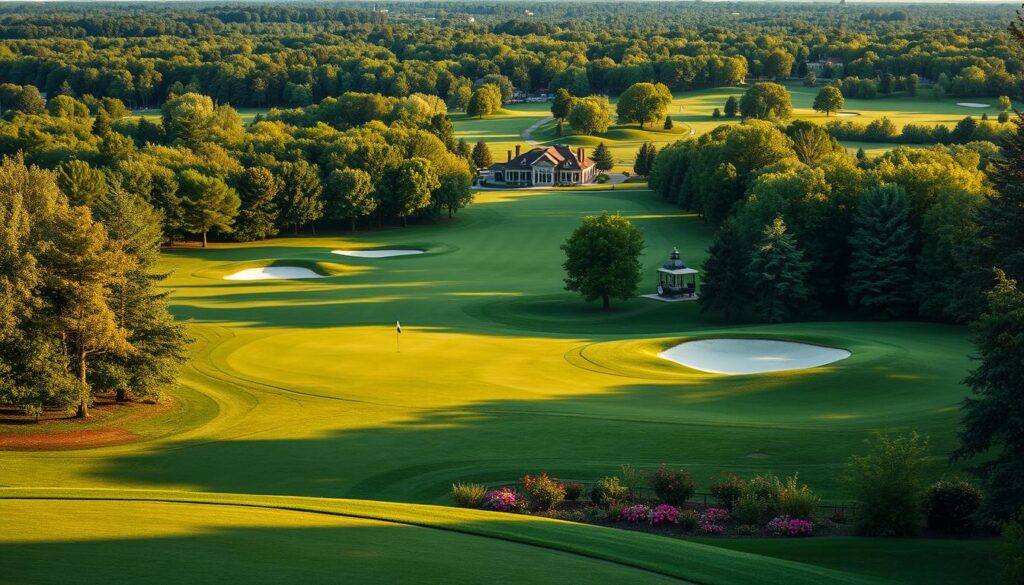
<point>603,258</point>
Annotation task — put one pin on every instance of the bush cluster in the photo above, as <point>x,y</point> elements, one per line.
<point>543,492</point>
<point>674,486</point>
<point>950,506</point>
<point>468,495</point>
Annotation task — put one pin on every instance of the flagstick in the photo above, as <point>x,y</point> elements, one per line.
<point>398,341</point>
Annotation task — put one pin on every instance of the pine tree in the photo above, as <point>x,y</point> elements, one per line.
<point>645,159</point>
<point>778,272</point>
<point>991,424</point>
<point>82,184</point>
<point>208,204</point>
<point>482,155</point>
<point>101,126</point>
<point>881,282</point>
<point>724,286</point>
<point>732,107</point>
<point>257,216</point>
<point>603,159</point>
<point>668,123</point>
<point>159,343</point>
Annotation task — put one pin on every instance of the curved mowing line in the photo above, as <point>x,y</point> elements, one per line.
<point>628,549</point>
<point>524,541</point>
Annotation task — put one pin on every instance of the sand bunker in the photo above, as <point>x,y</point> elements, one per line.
<point>973,105</point>
<point>847,114</point>
<point>376,253</point>
<point>751,356</point>
<point>273,273</point>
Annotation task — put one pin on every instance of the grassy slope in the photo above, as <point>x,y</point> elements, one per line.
<point>691,112</point>
<point>500,372</point>
<point>154,535</point>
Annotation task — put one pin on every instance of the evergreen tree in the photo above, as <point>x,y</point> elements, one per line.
<point>208,204</point>
<point>299,198</point>
<point>159,343</point>
<point>732,107</point>
<point>82,184</point>
<point>644,159</point>
<point>101,126</point>
<point>463,149</point>
<point>603,159</point>
<point>257,215</point>
<point>668,123</point>
<point>880,281</point>
<point>724,286</point>
<point>603,258</point>
<point>82,268</point>
<point>716,114</point>
<point>349,194</point>
<point>992,418</point>
<point>482,155</point>
<point>778,272</point>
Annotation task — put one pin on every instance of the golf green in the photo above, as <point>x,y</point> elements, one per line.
<point>304,387</point>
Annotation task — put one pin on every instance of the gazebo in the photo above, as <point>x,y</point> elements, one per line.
<point>676,280</point>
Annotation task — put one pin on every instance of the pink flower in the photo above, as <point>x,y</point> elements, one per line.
<point>637,513</point>
<point>665,514</point>
<point>785,526</point>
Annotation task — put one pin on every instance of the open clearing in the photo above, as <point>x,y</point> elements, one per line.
<point>751,356</point>
<point>296,387</point>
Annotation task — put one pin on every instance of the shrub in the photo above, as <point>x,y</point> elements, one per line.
<point>712,529</point>
<point>543,492</point>
<point>608,489</point>
<point>504,500</point>
<point>786,526</point>
<point>727,490</point>
<point>1011,550</point>
<point>633,478</point>
<point>747,530</point>
<point>764,487</point>
<point>673,486</point>
<point>636,513</point>
<point>689,519</point>
<point>602,179</point>
<point>468,495</point>
<point>751,510</point>
<point>950,505</point>
<point>573,491</point>
<point>714,516</point>
<point>615,512</point>
<point>887,482</point>
<point>665,514</point>
<point>797,501</point>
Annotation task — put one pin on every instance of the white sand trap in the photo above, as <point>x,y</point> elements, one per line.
<point>376,253</point>
<point>973,105</point>
<point>274,273</point>
<point>751,356</point>
<point>847,114</point>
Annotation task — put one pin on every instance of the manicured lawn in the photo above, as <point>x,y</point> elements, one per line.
<point>692,114</point>
<point>296,388</point>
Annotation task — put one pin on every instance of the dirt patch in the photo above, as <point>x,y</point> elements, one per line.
<point>758,455</point>
<point>55,430</point>
<point>65,440</point>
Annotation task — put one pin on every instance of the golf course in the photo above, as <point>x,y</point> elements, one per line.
<point>306,434</point>
<point>691,113</point>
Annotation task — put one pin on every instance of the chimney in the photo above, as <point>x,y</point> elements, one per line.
<point>579,154</point>
<point>509,153</point>
<point>517,150</point>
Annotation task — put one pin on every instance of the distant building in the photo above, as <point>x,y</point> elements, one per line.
<point>552,165</point>
<point>834,63</point>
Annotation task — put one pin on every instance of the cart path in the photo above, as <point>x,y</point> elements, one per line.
<point>528,133</point>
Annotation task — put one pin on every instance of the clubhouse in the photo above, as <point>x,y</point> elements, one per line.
<point>552,165</point>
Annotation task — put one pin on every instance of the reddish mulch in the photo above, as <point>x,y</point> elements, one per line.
<point>55,430</point>
<point>63,440</point>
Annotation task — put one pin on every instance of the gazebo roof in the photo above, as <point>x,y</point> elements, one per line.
<point>675,265</point>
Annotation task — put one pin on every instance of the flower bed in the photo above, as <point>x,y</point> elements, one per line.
<point>759,507</point>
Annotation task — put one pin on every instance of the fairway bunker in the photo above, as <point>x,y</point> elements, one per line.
<point>376,253</point>
<point>973,105</point>
<point>751,356</point>
<point>274,273</point>
<point>847,114</point>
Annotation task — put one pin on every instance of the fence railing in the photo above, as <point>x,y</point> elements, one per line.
<point>698,500</point>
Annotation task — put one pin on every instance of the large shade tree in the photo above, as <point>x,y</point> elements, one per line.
<point>766,101</point>
<point>643,103</point>
<point>603,258</point>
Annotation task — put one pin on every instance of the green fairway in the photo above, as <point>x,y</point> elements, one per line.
<point>692,115</point>
<point>297,388</point>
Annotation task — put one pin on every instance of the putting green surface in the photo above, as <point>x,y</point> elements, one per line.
<point>298,387</point>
